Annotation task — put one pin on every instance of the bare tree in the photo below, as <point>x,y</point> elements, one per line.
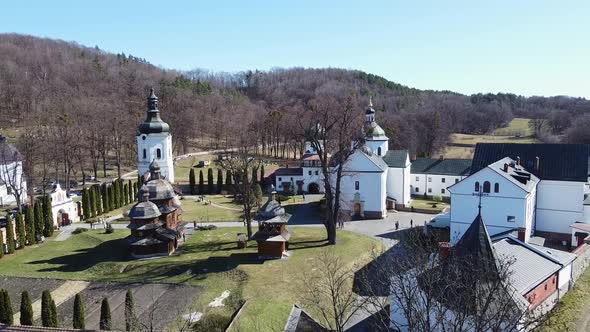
<point>332,127</point>
<point>327,289</point>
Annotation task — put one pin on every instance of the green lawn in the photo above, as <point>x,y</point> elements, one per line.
<point>209,259</point>
<point>420,203</point>
<point>572,308</point>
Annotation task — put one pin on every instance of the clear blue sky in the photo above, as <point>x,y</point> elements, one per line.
<point>530,47</point>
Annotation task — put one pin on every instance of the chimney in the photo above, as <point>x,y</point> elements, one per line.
<point>444,250</point>
<point>522,234</point>
<point>517,161</point>
<point>506,167</point>
<point>442,157</point>
<point>537,163</point>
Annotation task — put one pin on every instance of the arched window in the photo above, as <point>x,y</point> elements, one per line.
<point>159,153</point>
<point>486,187</point>
<point>477,186</point>
<point>144,154</point>
<point>496,187</point>
<point>379,151</point>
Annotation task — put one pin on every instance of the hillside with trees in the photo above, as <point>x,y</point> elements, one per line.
<point>76,108</point>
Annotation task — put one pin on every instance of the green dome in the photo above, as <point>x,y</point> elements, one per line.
<point>153,123</point>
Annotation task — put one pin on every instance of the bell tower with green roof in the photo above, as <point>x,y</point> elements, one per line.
<point>154,141</point>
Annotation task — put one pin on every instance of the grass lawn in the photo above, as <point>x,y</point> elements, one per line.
<point>421,203</point>
<point>209,259</point>
<point>572,308</point>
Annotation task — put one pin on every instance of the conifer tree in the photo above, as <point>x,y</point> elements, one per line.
<point>46,308</point>
<point>254,175</point>
<point>30,225</point>
<point>130,319</point>
<point>39,221</point>
<point>47,217</point>
<point>9,234</point>
<point>210,183</point>
<point>105,315</point>
<point>21,234</point>
<point>201,183</point>
<point>26,309</point>
<point>192,181</point>
<point>228,178</point>
<point>219,180</point>
<point>78,320</point>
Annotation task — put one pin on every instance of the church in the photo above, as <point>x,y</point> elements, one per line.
<point>374,179</point>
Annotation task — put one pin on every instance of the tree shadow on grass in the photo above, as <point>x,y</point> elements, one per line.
<point>83,259</point>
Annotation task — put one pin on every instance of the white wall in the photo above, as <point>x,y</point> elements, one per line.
<point>435,184</point>
<point>151,144</point>
<point>559,204</point>
<point>495,207</point>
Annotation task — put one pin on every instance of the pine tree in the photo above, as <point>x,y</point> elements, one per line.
<point>262,173</point>
<point>85,204</point>
<point>8,308</point>
<point>105,315</point>
<point>47,217</point>
<point>9,234</point>
<point>130,319</point>
<point>46,308</point>
<point>3,312</point>
<point>78,320</point>
<point>192,181</point>
<point>39,222</point>
<point>254,175</point>
<point>30,225</point>
<point>228,178</point>
<point>26,309</point>
<point>20,231</point>
<point>219,180</point>
<point>210,183</point>
<point>201,183</point>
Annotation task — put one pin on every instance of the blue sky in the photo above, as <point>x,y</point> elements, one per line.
<point>521,46</point>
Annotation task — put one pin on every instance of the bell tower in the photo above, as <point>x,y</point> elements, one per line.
<point>154,141</point>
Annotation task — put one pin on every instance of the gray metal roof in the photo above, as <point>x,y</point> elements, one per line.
<point>396,158</point>
<point>528,268</point>
<point>457,167</point>
<point>519,176</point>
<point>562,162</point>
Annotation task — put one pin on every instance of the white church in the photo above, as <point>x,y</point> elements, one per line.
<point>154,142</point>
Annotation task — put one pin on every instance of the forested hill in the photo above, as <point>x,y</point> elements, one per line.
<point>52,84</point>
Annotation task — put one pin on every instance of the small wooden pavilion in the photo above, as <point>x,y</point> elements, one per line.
<point>272,236</point>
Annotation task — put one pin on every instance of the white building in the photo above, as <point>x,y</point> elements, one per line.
<point>63,208</point>
<point>433,177</point>
<point>547,195</point>
<point>154,142</point>
<point>12,179</point>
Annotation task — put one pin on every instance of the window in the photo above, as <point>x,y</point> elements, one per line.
<point>379,151</point>
<point>443,180</point>
<point>417,189</point>
<point>417,179</point>
<point>486,187</point>
<point>159,153</point>
<point>510,219</point>
<point>442,191</point>
<point>429,190</point>
<point>309,172</point>
<point>144,154</point>
<point>356,185</point>
<point>477,186</point>
<point>429,179</point>
<point>496,187</point>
